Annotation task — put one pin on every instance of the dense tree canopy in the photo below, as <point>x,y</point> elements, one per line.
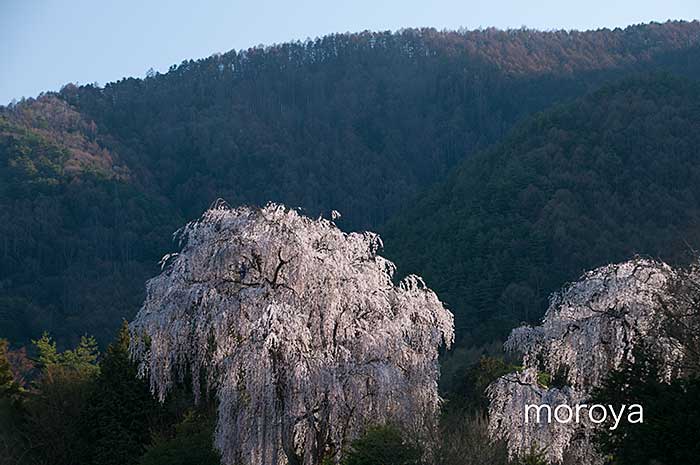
<point>93,179</point>
<point>77,237</point>
<point>606,177</point>
<point>669,434</point>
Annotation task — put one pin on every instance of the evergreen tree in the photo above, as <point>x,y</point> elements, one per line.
<point>669,432</point>
<point>54,419</point>
<point>382,445</point>
<point>120,410</point>
<point>191,444</point>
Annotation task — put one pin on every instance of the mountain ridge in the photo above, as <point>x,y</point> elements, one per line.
<point>359,123</point>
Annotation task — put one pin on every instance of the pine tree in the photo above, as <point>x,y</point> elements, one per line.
<point>669,433</point>
<point>121,409</point>
<point>54,421</point>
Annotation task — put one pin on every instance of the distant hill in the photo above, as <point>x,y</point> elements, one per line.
<point>77,237</point>
<point>356,122</point>
<point>95,179</point>
<point>613,174</point>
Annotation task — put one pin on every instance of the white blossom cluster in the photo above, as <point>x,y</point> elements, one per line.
<point>589,329</point>
<point>298,328</point>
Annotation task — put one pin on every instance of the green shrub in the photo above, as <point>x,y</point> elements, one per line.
<point>382,445</point>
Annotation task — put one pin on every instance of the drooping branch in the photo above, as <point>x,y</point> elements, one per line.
<point>312,340</point>
<point>590,328</point>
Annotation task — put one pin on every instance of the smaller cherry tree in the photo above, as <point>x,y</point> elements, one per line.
<point>591,327</point>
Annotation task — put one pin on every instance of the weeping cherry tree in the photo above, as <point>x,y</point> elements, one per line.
<point>298,328</point>
<point>590,328</point>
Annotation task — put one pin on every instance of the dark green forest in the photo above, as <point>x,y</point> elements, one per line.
<point>606,177</point>
<point>95,179</point>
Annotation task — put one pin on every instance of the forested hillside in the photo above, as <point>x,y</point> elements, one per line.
<point>78,237</point>
<point>358,122</point>
<point>95,179</point>
<point>611,175</point>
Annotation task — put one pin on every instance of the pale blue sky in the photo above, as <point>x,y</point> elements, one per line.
<point>47,43</point>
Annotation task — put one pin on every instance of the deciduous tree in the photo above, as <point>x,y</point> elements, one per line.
<point>300,330</point>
